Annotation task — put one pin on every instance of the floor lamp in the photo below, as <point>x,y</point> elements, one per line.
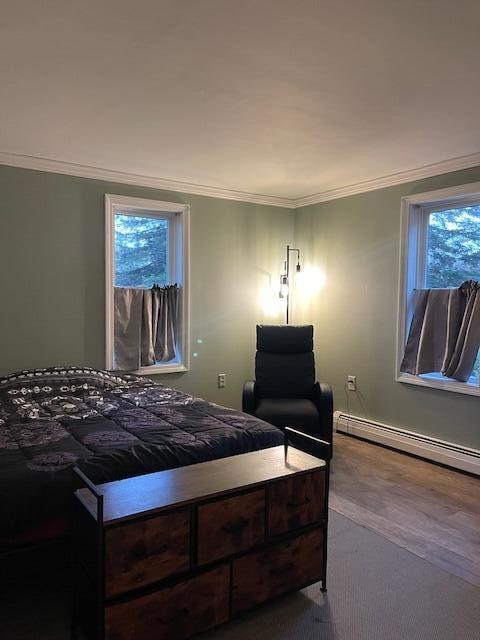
<point>284,292</point>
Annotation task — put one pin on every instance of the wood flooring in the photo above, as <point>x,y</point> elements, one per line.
<point>429,510</point>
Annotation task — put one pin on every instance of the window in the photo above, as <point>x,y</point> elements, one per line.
<point>440,249</point>
<point>147,249</point>
<point>141,250</point>
<point>453,246</point>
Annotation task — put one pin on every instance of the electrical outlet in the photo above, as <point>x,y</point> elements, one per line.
<point>221,380</point>
<point>352,383</point>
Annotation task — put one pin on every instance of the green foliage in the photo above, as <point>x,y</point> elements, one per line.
<point>141,252</point>
<point>453,252</point>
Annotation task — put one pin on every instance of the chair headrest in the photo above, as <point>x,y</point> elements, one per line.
<point>285,338</point>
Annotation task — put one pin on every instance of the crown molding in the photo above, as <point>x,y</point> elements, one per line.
<point>85,171</point>
<point>402,177</point>
<point>96,173</point>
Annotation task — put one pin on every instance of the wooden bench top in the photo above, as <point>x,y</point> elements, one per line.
<point>154,492</point>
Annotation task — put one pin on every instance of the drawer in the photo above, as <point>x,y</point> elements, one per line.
<point>230,525</point>
<point>281,568</point>
<point>142,552</point>
<point>296,502</point>
<point>179,611</point>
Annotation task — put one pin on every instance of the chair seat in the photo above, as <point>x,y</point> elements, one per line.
<point>289,412</point>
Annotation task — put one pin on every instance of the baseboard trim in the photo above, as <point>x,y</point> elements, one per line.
<point>441,451</point>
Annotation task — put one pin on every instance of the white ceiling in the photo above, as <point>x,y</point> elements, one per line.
<point>265,96</point>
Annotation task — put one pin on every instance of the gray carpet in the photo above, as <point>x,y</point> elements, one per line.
<point>376,591</point>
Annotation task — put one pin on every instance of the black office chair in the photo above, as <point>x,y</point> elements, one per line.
<point>285,392</point>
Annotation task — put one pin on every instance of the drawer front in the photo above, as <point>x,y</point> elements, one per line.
<point>283,567</point>
<point>230,525</point>
<point>296,502</point>
<point>180,611</point>
<point>141,552</point>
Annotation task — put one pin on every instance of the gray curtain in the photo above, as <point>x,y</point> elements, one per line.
<point>145,326</point>
<point>445,332</point>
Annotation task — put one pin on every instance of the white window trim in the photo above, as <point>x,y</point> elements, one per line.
<point>181,214</point>
<point>412,273</point>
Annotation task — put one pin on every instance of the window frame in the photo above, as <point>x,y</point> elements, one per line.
<point>178,253</point>
<point>415,210</point>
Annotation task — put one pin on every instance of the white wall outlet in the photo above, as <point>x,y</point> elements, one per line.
<point>221,380</point>
<point>352,383</point>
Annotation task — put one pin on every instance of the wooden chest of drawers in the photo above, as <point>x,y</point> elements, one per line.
<point>171,554</point>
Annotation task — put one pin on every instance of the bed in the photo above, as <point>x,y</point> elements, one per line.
<point>112,426</point>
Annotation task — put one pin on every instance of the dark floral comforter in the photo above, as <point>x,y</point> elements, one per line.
<point>112,426</point>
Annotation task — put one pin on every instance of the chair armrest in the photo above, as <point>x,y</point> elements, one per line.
<point>248,397</point>
<point>323,399</point>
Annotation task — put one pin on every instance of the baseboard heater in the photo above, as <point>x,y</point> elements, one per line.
<point>447,453</point>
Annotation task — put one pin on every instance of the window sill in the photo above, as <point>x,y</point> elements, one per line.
<point>471,388</point>
<point>157,369</point>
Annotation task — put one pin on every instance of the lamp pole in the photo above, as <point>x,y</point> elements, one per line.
<point>285,277</point>
<point>288,281</point>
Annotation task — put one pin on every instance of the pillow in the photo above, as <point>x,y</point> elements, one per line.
<point>35,383</point>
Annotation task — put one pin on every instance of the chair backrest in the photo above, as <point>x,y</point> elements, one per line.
<point>284,363</point>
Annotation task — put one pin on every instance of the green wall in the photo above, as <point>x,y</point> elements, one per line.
<point>356,241</point>
<point>52,283</point>
<point>52,277</point>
